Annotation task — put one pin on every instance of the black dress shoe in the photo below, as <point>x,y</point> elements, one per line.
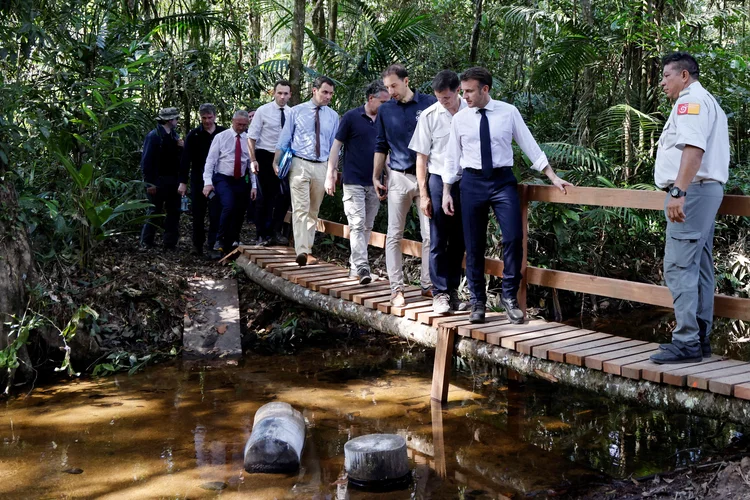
<point>301,259</point>
<point>512,309</point>
<point>477,313</point>
<point>279,239</point>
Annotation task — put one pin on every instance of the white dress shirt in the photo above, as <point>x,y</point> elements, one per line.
<point>431,135</point>
<point>220,159</point>
<point>696,120</point>
<point>506,124</point>
<point>266,126</point>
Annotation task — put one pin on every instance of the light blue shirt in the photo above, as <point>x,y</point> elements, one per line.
<point>299,131</point>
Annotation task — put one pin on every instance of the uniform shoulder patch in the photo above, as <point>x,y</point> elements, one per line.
<point>688,108</point>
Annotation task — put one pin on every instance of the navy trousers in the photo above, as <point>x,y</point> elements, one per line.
<point>446,239</point>
<point>274,203</point>
<point>166,202</point>
<point>233,195</point>
<point>478,195</point>
<point>201,206</point>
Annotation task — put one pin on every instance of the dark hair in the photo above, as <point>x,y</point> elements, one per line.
<point>319,81</point>
<point>683,61</point>
<point>207,108</point>
<point>284,83</point>
<point>445,80</point>
<point>481,75</point>
<point>374,88</point>
<point>396,69</point>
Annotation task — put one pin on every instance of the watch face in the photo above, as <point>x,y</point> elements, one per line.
<point>675,192</point>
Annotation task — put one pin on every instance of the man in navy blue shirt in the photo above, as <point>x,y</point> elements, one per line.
<point>356,133</point>
<point>395,126</point>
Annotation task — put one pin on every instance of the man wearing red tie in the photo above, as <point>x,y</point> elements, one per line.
<point>227,165</point>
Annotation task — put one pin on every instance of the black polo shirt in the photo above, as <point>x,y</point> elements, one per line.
<point>197,144</point>
<point>395,127</point>
<point>357,132</point>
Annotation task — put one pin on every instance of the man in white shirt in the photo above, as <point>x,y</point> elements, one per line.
<point>446,232</point>
<point>480,154</point>
<point>263,135</point>
<point>226,171</point>
<point>692,165</point>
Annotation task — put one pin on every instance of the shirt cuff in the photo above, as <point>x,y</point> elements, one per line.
<point>691,140</point>
<point>450,178</point>
<point>541,163</point>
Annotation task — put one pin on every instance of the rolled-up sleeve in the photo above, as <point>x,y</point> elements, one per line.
<point>256,125</point>
<point>526,141</point>
<point>421,141</point>
<point>451,166</point>
<point>381,142</point>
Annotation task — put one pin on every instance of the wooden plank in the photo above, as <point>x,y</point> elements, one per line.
<point>454,321</point>
<point>291,274</point>
<point>579,357</point>
<point>370,287</point>
<point>374,303</point>
<point>510,342</point>
<point>495,334</point>
<point>480,334</point>
<point>677,374</point>
<point>542,350</point>
<point>527,345</point>
<point>279,271</point>
<point>264,260</point>
<point>742,391</point>
<point>412,313</point>
<point>307,279</point>
<point>596,361</point>
<point>466,328</point>
<point>725,385</point>
<point>614,366</point>
<point>277,265</point>
<point>428,317</point>
<point>316,285</point>
<point>701,380</point>
<point>328,289</point>
<point>360,297</point>
<point>558,353</point>
<point>418,303</point>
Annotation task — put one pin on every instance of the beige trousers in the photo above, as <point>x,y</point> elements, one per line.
<point>307,186</point>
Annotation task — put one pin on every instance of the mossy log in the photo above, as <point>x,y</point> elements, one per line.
<point>661,396</point>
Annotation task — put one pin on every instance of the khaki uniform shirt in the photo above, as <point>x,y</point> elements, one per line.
<point>696,120</point>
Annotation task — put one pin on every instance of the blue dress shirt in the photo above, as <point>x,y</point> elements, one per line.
<point>299,131</point>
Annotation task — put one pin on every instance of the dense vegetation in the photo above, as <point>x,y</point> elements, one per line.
<point>80,82</point>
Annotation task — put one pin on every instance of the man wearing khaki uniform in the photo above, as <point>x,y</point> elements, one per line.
<point>692,165</point>
<point>309,131</point>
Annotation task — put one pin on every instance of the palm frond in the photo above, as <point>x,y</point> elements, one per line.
<point>617,123</point>
<point>202,22</point>
<point>523,15</point>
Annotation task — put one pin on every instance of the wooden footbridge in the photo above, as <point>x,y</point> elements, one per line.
<point>555,342</point>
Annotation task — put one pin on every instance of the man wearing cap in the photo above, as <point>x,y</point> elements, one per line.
<point>356,134</point>
<point>264,134</point>
<point>226,171</point>
<point>395,124</point>
<point>692,165</point>
<point>480,154</point>
<point>160,164</point>
<point>197,143</point>
<point>446,231</point>
<point>310,131</point>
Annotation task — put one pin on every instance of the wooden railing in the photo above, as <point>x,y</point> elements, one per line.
<point>724,305</point>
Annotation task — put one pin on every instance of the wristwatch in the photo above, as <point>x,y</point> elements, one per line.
<point>676,192</point>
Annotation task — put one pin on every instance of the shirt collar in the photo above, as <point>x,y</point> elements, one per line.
<point>234,133</point>
<point>462,104</point>
<point>696,85</point>
<point>490,106</point>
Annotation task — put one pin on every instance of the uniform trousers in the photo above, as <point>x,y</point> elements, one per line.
<point>478,195</point>
<point>272,204</point>
<point>166,208</point>
<point>446,239</point>
<point>689,266</point>
<point>361,206</point>
<point>307,186</point>
<point>233,195</point>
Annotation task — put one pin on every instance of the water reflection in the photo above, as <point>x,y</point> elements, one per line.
<point>179,433</point>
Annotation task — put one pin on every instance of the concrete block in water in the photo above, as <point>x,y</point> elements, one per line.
<point>277,439</point>
<point>377,461</point>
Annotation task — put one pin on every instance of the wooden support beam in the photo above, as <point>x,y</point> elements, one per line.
<point>443,363</point>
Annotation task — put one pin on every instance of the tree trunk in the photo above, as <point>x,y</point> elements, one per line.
<point>255,40</point>
<point>319,28</point>
<point>333,19</point>
<point>295,57</point>
<point>475,31</point>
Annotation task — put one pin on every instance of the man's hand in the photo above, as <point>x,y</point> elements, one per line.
<point>182,189</point>
<point>425,205</point>
<point>254,166</point>
<point>448,204</point>
<point>207,190</point>
<point>151,190</point>
<point>561,184</point>
<point>276,169</point>
<point>253,193</point>
<point>330,184</point>
<point>381,189</point>
<point>675,209</point>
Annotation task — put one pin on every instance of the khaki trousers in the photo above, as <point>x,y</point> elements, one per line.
<point>361,206</point>
<point>402,192</point>
<point>307,186</point>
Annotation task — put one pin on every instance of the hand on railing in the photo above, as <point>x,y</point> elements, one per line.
<point>561,184</point>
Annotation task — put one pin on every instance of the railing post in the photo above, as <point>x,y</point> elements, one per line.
<point>523,194</point>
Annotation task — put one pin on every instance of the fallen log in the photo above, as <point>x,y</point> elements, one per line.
<point>277,439</point>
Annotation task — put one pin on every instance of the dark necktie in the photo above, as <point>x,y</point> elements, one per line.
<point>283,117</point>
<point>317,132</point>
<point>485,144</point>
<point>237,158</point>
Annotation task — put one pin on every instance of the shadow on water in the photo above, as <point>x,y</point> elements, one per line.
<point>179,431</point>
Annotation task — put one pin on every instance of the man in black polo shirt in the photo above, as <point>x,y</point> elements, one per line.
<point>197,144</point>
<point>357,134</point>
<point>395,126</point>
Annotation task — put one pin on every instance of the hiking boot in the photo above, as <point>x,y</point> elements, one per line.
<point>456,303</point>
<point>512,309</point>
<point>397,298</point>
<point>441,303</point>
<point>301,259</point>
<point>279,239</point>
<point>670,354</point>
<point>426,292</point>
<point>364,276</point>
<point>477,313</point>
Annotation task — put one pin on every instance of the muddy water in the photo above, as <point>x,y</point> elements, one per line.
<point>178,431</point>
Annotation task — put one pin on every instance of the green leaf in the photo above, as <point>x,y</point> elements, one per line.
<point>120,126</point>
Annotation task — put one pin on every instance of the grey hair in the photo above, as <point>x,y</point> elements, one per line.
<point>241,113</point>
<point>206,109</point>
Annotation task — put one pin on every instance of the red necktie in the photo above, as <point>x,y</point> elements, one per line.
<point>237,158</point>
